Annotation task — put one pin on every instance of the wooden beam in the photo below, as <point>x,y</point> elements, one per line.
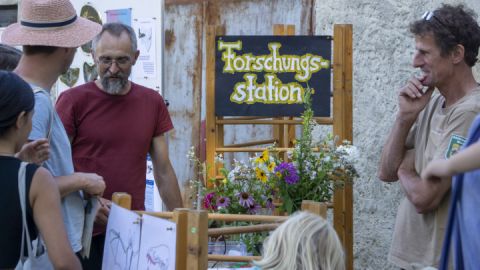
<point>342,127</point>
<point>197,240</point>
<point>254,143</point>
<point>225,258</point>
<point>180,217</point>
<point>210,125</point>
<point>278,131</point>
<point>250,218</point>
<point>122,199</point>
<point>348,127</point>
<point>277,121</point>
<point>242,229</point>
<point>317,208</point>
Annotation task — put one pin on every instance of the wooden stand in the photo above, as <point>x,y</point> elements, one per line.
<point>284,128</point>
<point>193,232</point>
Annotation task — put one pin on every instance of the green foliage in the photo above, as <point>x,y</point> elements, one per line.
<point>313,170</point>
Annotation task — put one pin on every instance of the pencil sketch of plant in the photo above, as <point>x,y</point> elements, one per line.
<point>145,37</point>
<point>125,251</point>
<point>158,258</point>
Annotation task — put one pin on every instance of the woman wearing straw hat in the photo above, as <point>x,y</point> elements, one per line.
<point>50,32</point>
<point>43,201</point>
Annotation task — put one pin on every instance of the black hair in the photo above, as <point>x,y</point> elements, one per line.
<point>16,96</point>
<point>450,26</point>
<point>9,57</point>
<point>38,49</point>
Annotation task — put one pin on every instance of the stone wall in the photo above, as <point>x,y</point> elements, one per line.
<point>382,54</point>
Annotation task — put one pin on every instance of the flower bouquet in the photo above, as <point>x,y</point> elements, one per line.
<point>311,172</point>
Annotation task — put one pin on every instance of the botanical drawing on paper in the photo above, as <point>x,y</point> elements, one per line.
<point>125,251</point>
<point>158,258</point>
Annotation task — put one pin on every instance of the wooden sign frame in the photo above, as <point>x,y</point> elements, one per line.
<point>284,127</point>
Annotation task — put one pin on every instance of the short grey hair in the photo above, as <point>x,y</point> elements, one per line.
<point>304,242</point>
<point>116,29</point>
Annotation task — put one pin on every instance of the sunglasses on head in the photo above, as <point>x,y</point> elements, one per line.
<point>430,16</point>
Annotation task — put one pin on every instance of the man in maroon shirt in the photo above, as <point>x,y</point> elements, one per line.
<point>112,124</point>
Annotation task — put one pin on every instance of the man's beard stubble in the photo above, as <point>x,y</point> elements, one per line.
<point>115,85</point>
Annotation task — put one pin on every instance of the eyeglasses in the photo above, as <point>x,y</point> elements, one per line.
<point>428,15</point>
<point>120,61</point>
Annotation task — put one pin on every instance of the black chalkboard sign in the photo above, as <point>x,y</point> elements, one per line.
<point>267,75</point>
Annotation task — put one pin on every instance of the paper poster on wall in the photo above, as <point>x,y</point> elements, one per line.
<point>89,12</point>
<point>120,15</point>
<point>146,66</point>
<point>157,252</point>
<point>153,201</point>
<point>122,241</point>
<point>70,77</point>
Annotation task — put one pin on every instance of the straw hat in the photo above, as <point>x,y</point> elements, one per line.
<point>50,23</point>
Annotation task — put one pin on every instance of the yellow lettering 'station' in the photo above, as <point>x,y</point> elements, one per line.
<point>272,91</point>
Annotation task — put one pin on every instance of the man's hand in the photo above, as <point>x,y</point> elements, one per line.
<point>93,183</point>
<point>412,99</point>
<point>436,170</point>
<point>103,211</point>
<point>35,151</point>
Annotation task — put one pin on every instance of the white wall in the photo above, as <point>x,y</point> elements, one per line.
<point>383,49</point>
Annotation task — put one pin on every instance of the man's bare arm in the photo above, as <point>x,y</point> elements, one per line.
<point>411,101</point>
<point>394,151</point>
<point>90,183</point>
<point>164,175</point>
<point>425,195</point>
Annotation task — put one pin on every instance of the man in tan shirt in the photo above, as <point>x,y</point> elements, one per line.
<point>431,125</point>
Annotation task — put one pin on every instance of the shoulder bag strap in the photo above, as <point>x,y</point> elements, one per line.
<point>23,199</point>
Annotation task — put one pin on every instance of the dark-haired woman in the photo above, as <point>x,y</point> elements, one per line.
<point>42,198</point>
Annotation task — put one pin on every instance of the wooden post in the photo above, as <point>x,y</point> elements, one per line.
<point>123,199</point>
<point>214,132</point>
<point>284,133</point>
<point>283,129</point>
<point>210,125</point>
<point>180,217</point>
<point>279,130</point>
<point>197,240</point>
<point>342,128</point>
<point>317,208</point>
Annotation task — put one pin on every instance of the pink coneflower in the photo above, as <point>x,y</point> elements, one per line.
<point>269,204</point>
<point>245,199</point>
<point>254,208</point>
<point>223,201</point>
<point>208,201</point>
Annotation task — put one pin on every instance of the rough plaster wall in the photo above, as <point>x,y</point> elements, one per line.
<point>383,49</point>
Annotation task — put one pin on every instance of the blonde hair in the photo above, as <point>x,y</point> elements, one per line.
<point>304,242</point>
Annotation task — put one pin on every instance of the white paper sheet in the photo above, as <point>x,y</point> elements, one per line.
<point>122,242</point>
<point>146,66</point>
<point>158,244</point>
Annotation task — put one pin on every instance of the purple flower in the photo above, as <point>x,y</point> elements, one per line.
<point>254,208</point>
<point>223,201</point>
<point>269,204</point>
<point>288,171</point>
<point>208,201</point>
<point>245,199</point>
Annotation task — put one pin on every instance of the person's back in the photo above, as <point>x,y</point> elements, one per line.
<point>304,242</point>
<point>42,199</point>
<point>50,32</point>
